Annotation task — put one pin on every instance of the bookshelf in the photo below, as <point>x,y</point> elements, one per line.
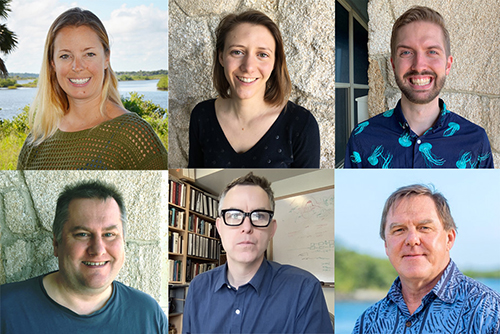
<point>194,244</point>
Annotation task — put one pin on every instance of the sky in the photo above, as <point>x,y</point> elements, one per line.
<point>473,197</point>
<point>138,31</point>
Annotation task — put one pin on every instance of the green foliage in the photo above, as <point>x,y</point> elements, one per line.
<point>7,82</point>
<point>358,271</point>
<point>125,77</point>
<point>163,83</point>
<point>13,133</point>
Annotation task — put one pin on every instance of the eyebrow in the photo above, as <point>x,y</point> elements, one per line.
<point>243,46</point>
<point>86,49</point>
<point>422,222</point>
<point>437,46</point>
<point>84,228</point>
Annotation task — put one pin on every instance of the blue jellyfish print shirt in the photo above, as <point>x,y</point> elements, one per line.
<point>456,304</point>
<point>386,141</point>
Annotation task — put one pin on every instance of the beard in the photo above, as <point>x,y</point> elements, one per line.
<point>419,97</point>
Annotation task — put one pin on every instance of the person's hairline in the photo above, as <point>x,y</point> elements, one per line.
<point>223,196</point>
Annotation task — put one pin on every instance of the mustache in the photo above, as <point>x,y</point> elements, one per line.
<point>411,73</point>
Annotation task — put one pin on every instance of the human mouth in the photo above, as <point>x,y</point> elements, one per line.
<point>420,81</point>
<point>94,264</point>
<point>80,81</point>
<point>246,80</point>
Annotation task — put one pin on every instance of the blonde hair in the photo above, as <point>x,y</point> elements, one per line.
<point>51,102</point>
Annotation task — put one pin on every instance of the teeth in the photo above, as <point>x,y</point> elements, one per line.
<point>247,80</point>
<point>420,82</point>
<point>94,263</point>
<point>79,81</point>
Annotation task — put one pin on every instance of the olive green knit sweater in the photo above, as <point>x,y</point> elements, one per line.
<point>125,142</point>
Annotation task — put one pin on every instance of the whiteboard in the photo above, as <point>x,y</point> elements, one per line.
<point>304,237</point>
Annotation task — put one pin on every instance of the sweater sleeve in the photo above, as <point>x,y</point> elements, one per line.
<point>195,151</point>
<point>306,149</point>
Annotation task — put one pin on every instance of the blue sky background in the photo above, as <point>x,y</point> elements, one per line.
<point>473,196</point>
<point>138,31</point>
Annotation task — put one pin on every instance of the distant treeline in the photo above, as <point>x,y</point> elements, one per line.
<point>141,75</point>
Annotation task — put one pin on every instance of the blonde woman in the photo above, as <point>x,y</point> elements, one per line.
<point>77,118</point>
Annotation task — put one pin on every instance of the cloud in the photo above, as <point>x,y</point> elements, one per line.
<point>138,34</point>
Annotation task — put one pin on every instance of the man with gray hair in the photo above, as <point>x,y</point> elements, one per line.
<point>430,295</point>
<point>82,296</point>
<point>250,294</point>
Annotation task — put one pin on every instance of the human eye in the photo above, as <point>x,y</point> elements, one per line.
<point>64,56</point>
<point>263,55</point>
<point>405,53</point>
<point>109,234</point>
<point>82,235</point>
<point>91,54</point>
<point>236,52</point>
<point>233,214</point>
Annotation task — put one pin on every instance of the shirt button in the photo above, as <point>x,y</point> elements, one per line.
<point>408,323</point>
<point>237,311</point>
<point>418,141</point>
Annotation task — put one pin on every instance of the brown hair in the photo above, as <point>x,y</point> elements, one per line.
<point>278,86</point>
<point>51,102</point>
<point>415,14</point>
<point>442,208</point>
<point>249,180</point>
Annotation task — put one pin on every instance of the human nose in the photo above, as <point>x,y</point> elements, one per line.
<point>419,62</point>
<point>248,64</point>
<point>97,246</point>
<point>77,65</point>
<point>246,226</point>
<point>412,238</point>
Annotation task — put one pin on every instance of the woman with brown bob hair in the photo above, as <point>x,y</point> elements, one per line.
<point>251,123</point>
<point>77,118</point>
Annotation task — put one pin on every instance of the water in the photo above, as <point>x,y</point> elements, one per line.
<point>347,312</point>
<point>13,100</point>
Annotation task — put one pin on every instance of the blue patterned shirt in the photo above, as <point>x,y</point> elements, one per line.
<point>278,299</point>
<point>457,304</point>
<point>386,141</point>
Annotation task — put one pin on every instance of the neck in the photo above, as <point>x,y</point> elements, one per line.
<point>247,110</point>
<point>81,302</point>
<point>415,290</point>
<point>420,117</point>
<point>239,274</point>
<point>83,115</point>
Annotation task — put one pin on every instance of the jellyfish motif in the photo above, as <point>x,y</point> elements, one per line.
<point>445,111</point>
<point>355,157</point>
<point>388,113</point>
<point>373,158</point>
<point>387,161</point>
<point>462,162</point>
<point>405,140</point>
<point>360,127</point>
<point>452,128</point>
<point>430,158</point>
<point>481,158</point>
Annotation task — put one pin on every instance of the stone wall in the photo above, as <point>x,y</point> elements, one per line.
<point>472,88</point>
<point>27,207</point>
<point>308,29</point>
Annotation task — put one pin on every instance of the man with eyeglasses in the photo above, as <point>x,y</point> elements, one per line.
<point>250,294</point>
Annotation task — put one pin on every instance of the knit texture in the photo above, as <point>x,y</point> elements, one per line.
<point>125,142</point>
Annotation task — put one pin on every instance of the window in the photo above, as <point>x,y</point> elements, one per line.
<point>351,70</point>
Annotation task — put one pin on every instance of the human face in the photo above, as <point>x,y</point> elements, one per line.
<point>245,244</point>
<point>91,251</point>
<point>415,240</point>
<point>79,61</point>
<point>248,60</point>
<point>420,63</point>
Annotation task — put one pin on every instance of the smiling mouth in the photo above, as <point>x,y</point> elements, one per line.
<point>94,264</point>
<point>246,80</point>
<point>420,82</point>
<point>80,81</point>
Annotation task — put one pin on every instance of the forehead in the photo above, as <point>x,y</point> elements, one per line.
<point>250,33</point>
<point>420,33</point>
<point>246,196</point>
<point>413,207</point>
<point>75,35</point>
<point>93,213</point>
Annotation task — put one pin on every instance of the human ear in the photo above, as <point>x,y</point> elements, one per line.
<point>449,61</point>
<point>451,235</point>
<point>56,247</point>
<point>221,59</point>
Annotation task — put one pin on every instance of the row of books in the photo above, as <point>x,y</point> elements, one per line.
<point>203,203</point>
<point>201,226</point>
<point>177,194</point>
<point>203,247</point>
<point>174,269</point>
<point>174,242</point>
<point>176,217</point>
<point>193,269</point>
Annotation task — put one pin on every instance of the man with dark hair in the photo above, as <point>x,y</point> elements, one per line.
<point>420,132</point>
<point>250,294</point>
<point>430,295</point>
<point>82,296</point>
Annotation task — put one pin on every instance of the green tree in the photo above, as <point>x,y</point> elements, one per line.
<point>163,83</point>
<point>8,40</point>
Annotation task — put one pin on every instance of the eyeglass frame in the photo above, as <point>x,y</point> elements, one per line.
<point>247,214</point>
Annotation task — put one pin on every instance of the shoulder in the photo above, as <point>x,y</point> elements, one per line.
<point>298,113</point>
<point>293,275</point>
<point>134,297</point>
<point>204,106</point>
<point>464,124</point>
<point>21,291</point>
<point>206,279</point>
<point>477,290</point>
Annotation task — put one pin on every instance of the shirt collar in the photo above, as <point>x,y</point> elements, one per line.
<point>444,112</point>
<point>446,288</point>
<point>256,282</point>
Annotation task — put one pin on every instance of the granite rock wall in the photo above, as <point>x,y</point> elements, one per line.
<point>27,207</point>
<point>308,30</point>
<point>472,88</point>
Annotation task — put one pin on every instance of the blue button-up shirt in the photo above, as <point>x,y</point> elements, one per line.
<point>278,299</point>
<point>386,141</point>
<point>457,304</point>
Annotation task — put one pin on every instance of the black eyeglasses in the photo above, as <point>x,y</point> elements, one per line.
<point>258,218</point>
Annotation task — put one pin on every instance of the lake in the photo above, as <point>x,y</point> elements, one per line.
<point>347,312</point>
<point>13,100</point>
